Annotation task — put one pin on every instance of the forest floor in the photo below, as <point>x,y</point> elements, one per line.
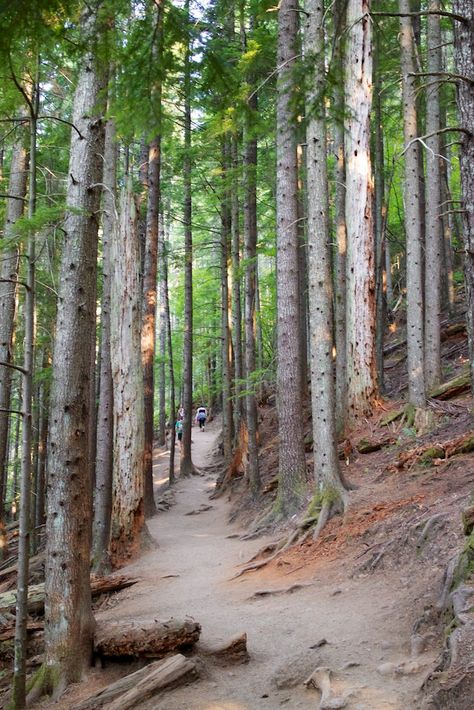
<point>358,592</point>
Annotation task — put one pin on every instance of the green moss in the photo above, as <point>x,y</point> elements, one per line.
<point>465,566</point>
<point>392,417</point>
<point>434,452</point>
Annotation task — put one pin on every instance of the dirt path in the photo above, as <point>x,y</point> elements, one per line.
<point>365,621</point>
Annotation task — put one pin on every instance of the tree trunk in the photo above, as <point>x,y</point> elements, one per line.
<point>340,222</point>
<point>326,463</point>
<point>163,327</point>
<point>360,268</point>
<point>433,222</point>
<point>127,374</point>
<point>69,622</point>
<point>24,532</point>
<point>170,360</point>
<point>236,290</point>
<point>292,463</point>
<point>225,326</point>
<point>105,415</point>
<point>464,60</point>
<point>43,405</point>
<point>186,464</point>
<point>8,277</point>
<point>379,222</point>
<point>414,283</point>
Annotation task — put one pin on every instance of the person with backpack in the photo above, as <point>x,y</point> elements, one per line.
<point>179,429</point>
<point>201,416</point>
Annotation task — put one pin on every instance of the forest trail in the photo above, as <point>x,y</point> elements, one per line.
<point>365,621</point>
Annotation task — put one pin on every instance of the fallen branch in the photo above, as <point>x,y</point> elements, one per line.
<point>137,687</point>
<point>434,452</point>
<point>285,590</point>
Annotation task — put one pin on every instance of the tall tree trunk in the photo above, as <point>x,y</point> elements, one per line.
<point>163,327</point>
<point>68,616</point>
<point>186,464</point>
<point>127,374</point>
<point>360,267</point>
<point>326,463</point>
<point>433,244</point>
<point>416,380</point>
<point>8,290</point>
<point>464,60</point>
<point>250,255</point>
<point>236,290</point>
<point>167,309</point>
<point>225,329</point>
<point>340,221</point>
<point>43,406</point>
<point>379,222</point>
<point>292,462</point>
<point>105,415</point>
<point>24,533</point>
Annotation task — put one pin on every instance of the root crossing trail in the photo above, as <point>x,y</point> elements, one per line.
<point>359,628</point>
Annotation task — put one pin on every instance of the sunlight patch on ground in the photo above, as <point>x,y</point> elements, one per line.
<point>160,481</point>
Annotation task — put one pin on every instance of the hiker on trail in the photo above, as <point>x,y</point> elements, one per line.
<point>181,413</point>
<point>201,416</point>
<point>179,429</point>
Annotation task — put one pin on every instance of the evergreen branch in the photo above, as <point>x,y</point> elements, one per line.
<point>62,120</point>
<point>13,367</point>
<point>422,13</point>
<point>448,75</point>
<point>12,197</point>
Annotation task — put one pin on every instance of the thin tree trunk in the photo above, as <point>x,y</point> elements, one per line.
<point>170,361</point>
<point>24,533</point>
<point>326,463</point>
<point>127,374</point>
<point>433,242</point>
<point>236,290</point>
<point>43,406</point>
<point>68,616</point>
<point>464,61</point>
<point>416,380</point>
<point>105,415</point>
<point>186,464</point>
<point>8,291</point>
<point>379,222</point>
<point>250,254</point>
<point>163,327</point>
<point>340,223</point>
<point>292,462</point>
<point>360,267</point>
<point>225,330</point>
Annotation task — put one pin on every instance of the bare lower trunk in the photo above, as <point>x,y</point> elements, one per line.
<point>105,415</point>
<point>292,463</point>
<point>127,374</point>
<point>167,309</point>
<point>68,616</point>
<point>225,329</point>
<point>360,268</point>
<point>464,60</point>
<point>236,291</point>
<point>379,222</point>
<point>416,380</point>
<point>162,339</point>
<point>433,242</point>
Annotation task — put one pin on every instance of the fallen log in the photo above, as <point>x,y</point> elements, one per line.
<point>368,447</point>
<point>136,687</point>
<point>145,638</point>
<point>99,585</point>
<point>430,453</point>
<point>458,385</point>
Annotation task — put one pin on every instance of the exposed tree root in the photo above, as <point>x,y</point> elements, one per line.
<point>432,521</point>
<point>320,678</point>
<point>285,590</point>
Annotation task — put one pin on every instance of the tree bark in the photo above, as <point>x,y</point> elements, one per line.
<point>433,244</point>
<point>8,290</point>
<point>292,463</point>
<point>340,222</point>
<point>326,463</point>
<point>105,415</point>
<point>464,61</point>
<point>127,374</point>
<point>170,360</point>
<point>236,288</point>
<point>186,464</point>
<point>360,267</point>
<point>414,283</point>
<point>163,327</point>
<point>69,622</point>
<point>226,350</point>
